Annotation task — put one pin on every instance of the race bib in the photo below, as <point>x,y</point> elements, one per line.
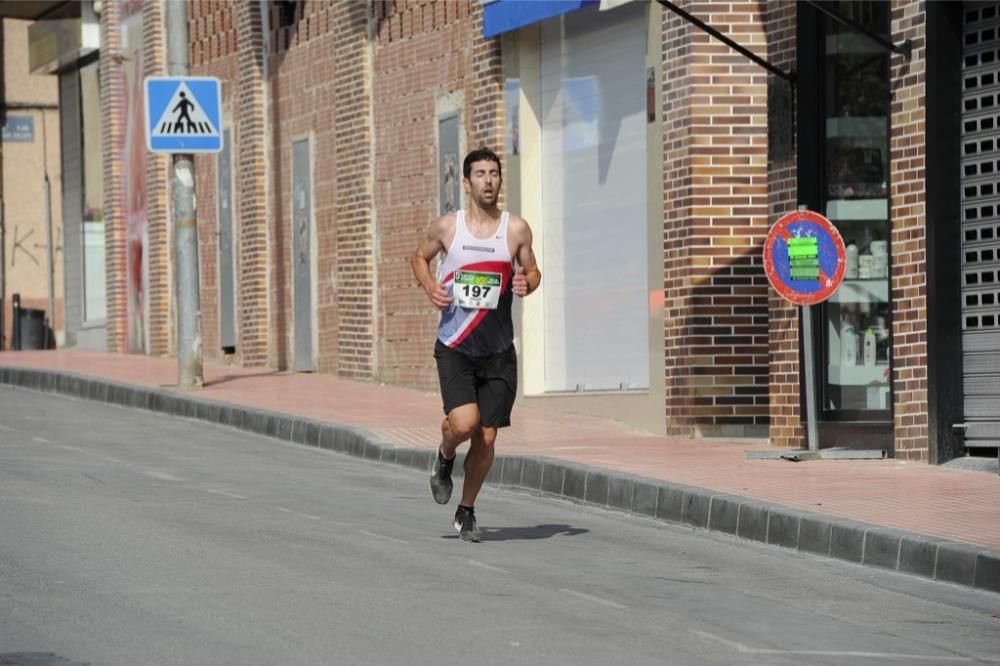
<point>479,291</point>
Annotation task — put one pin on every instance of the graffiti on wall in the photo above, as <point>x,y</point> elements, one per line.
<point>134,174</point>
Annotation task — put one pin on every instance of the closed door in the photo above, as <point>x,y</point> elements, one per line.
<point>302,256</point>
<point>981,223</point>
<point>227,274</point>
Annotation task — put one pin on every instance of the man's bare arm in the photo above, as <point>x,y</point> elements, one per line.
<point>527,277</point>
<point>420,262</point>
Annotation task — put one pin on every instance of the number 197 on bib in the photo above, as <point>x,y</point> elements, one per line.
<point>476,290</point>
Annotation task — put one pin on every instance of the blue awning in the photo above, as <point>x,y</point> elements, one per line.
<point>502,16</point>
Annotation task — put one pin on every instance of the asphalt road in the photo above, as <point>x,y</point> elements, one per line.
<point>133,538</point>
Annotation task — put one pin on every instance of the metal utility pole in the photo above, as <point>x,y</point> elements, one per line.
<point>189,359</point>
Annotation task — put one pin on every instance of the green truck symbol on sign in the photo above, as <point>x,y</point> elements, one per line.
<point>803,258</point>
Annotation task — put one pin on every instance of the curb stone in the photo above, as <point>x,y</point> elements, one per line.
<point>818,534</point>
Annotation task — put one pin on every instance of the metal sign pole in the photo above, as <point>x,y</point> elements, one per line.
<point>812,434</point>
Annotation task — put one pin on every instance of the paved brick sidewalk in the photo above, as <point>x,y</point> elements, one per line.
<point>945,503</point>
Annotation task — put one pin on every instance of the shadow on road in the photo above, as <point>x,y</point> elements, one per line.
<point>523,533</point>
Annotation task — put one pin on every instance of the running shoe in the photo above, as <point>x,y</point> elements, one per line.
<point>441,479</point>
<point>465,523</point>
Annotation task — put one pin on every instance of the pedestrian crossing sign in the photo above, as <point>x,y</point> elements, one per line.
<point>183,114</point>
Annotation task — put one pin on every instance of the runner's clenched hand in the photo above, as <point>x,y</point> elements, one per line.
<point>520,283</point>
<point>439,297</point>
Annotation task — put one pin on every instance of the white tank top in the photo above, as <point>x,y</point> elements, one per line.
<point>478,332</point>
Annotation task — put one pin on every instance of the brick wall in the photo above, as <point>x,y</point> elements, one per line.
<point>715,218</point>
<point>158,209</point>
<point>783,318</point>
<point>424,52</point>
<point>908,282</point>
<point>112,144</point>
<point>212,34</point>
<point>354,258</point>
<point>249,163</point>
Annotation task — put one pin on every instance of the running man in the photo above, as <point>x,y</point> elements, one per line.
<point>476,361</point>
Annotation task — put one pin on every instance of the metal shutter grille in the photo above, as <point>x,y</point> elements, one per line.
<point>980,147</point>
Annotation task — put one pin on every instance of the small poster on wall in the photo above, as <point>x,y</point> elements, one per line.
<point>449,164</point>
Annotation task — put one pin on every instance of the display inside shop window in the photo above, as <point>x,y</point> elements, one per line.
<point>857,324</point>
<point>855,172</point>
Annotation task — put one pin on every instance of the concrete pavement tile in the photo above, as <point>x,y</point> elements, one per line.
<point>752,521</point>
<point>203,411</point>
<point>783,527</point>
<point>671,503</point>
<point>882,548</point>
<point>327,436</point>
<point>421,458</point>
<point>956,563</point>
<point>620,489</point>
<point>917,555</point>
<point>510,476</point>
<point>552,477</point>
<point>213,412</point>
<point>284,427</point>
<point>496,472</point>
<point>404,457</point>
<point>696,504</point>
<point>372,450</point>
<point>644,497</point>
<point>988,571</point>
<point>168,405</point>
<point>847,540</point>
<point>596,491</point>
<point>312,433</point>
<point>237,415</point>
<point>298,434</point>
<point>724,513</point>
<point>273,426</point>
<point>531,474</point>
<point>356,442</point>
<point>575,482</point>
<point>814,535</point>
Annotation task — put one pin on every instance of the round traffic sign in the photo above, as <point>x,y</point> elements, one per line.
<point>804,257</point>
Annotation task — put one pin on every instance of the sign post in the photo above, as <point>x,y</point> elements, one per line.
<point>805,261</point>
<point>184,116</point>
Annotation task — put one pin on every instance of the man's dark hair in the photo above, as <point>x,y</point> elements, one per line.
<point>478,155</point>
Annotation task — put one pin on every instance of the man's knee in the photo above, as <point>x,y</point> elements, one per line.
<point>463,423</point>
<point>487,436</point>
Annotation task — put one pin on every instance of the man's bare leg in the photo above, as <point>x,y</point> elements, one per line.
<point>478,463</point>
<point>460,424</point>
<point>457,427</point>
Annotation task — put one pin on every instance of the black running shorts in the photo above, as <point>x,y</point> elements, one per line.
<point>490,382</point>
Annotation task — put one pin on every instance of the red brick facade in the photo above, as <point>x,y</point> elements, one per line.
<point>160,246</point>
<point>715,219</point>
<point>909,233</point>
<point>366,84</point>
<point>783,318</point>
<point>112,144</point>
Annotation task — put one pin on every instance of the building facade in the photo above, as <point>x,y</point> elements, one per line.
<point>30,157</point>
<point>650,157</point>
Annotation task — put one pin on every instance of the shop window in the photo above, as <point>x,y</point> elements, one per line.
<point>94,279</point>
<point>593,143</point>
<point>856,103</point>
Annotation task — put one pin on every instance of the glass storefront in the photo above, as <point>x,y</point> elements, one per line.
<point>855,194</point>
<point>94,282</point>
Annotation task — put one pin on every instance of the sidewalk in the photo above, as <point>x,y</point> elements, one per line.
<point>908,516</point>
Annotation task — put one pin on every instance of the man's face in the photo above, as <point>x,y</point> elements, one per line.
<point>483,183</point>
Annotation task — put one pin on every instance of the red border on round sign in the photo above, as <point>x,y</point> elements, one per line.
<point>780,228</point>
